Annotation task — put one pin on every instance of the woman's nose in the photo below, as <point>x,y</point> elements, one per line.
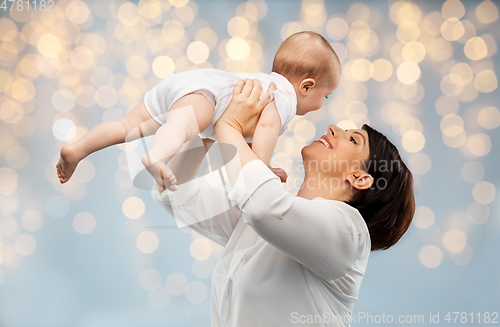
<point>334,131</point>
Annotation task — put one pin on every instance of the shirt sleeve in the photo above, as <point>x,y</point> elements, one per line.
<point>321,236</point>
<point>202,207</point>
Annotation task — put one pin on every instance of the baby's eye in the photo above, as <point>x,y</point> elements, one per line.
<point>353,140</point>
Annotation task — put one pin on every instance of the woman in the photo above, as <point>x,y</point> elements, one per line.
<point>295,260</point>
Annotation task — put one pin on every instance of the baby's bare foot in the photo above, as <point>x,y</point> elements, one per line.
<point>161,173</point>
<point>67,163</point>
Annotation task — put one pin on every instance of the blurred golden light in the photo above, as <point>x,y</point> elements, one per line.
<point>408,32</point>
<point>238,27</point>
<point>304,130</point>
<point>487,12</point>
<point>173,31</point>
<point>150,9</point>
<point>489,117</point>
<point>414,52</point>
<point>479,144</point>
<point>419,163</point>
<point>137,66</point>
<point>64,129</point>
<point>27,67</point>
<point>432,23</point>
<point>292,28</point>
<point>163,66</point>
<point>440,50</point>
<point>381,70</point>
<point>337,28</point>
<point>356,91</point>
<point>453,9</point>
<point>472,172</point>
<point>346,124</point>
<point>449,88</point>
<point>430,256</point>
<point>22,90</point>
<point>360,70</point>
<point>393,112</point>
<point>402,11</point>
<point>238,49</point>
<point>475,48</point>
<point>207,36</point>
<point>491,44</point>
<point>133,207</point>
<point>184,14</point>
<point>452,29</point>
<point>147,242</point>
<point>424,217</point>
<point>413,141</point>
<point>198,52</point>
<point>484,192</point>
<point>200,249</point>
<point>25,244</point>
<point>77,12</point>
<point>85,172</point>
<point>408,72</point>
<point>455,141</point>
<point>82,58</point>
<point>410,124</point>
<point>84,223</point>
<point>49,45</point>
<point>178,3</point>
<point>469,31</point>
<point>478,213</point>
<point>454,240</point>
<point>315,15</point>
<point>469,93</point>
<point>106,96</point>
<point>461,74</point>
<point>452,125</point>
<point>486,81</point>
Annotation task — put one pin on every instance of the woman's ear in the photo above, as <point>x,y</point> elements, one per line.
<point>306,85</point>
<point>360,180</point>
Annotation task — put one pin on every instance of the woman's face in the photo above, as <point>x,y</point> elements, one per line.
<point>338,153</point>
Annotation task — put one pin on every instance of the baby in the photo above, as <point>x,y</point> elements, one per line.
<point>305,71</point>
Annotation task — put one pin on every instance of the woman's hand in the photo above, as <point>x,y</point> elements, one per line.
<point>245,107</point>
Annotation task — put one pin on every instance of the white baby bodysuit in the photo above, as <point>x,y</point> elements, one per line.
<point>217,86</point>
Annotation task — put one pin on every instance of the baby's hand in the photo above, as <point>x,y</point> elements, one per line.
<point>280,173</point>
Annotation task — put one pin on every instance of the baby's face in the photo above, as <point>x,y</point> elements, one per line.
<point>313,100</point>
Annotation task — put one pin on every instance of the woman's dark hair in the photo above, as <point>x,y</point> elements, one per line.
<point>388,206</point>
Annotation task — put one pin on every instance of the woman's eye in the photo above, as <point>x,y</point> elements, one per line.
<point>326,97</point>
<point>353,140</point>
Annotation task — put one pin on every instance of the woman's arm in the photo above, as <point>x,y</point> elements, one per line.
<point>266,133</point>
<point>325,238</point>
<point>239,121</point>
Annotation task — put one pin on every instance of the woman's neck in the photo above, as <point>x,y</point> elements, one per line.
<point>327,188</point>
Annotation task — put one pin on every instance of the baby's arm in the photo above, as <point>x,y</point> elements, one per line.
<point>266,133</point>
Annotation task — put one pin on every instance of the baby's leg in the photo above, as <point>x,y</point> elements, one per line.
<point>137,123</point>
<point>187,117</point>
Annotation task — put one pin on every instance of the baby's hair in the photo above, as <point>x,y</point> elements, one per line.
<point>306,55</point>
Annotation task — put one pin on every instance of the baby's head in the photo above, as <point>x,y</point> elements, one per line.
<point>308,61</point>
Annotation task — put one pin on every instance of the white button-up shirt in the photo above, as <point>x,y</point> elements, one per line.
<point>287,261</point>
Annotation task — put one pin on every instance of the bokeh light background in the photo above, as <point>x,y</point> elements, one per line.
<point>88,253</point>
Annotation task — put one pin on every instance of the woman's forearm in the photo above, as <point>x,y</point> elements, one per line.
<point>229,135</point>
